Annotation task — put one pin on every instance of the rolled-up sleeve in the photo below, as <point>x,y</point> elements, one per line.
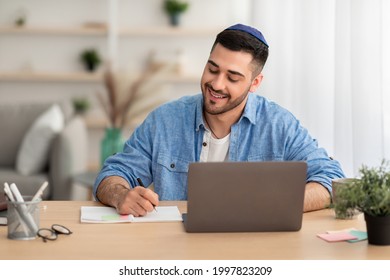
<point>302,147</point>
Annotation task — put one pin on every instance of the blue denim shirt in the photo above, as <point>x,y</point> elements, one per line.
<point>161,148</point>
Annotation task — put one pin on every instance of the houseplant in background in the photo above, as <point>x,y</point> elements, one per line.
<point>174,8</point>
<point>21,18</point>
<point>81,105</point>
<point>370,194</point>
<point>117,102</point>
<point>90,59</point>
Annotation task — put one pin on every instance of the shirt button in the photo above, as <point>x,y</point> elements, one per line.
<point>172,165</point>
<point>204,144</point>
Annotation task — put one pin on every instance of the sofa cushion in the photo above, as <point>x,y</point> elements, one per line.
<point>15,119</point>
<point>33,154</point>
<point>27,185</point>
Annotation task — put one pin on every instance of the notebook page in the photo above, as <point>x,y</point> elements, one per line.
<point>162,214</point>
<point>103,214</point>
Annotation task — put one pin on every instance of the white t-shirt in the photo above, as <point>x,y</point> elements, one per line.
<point>214,149</point>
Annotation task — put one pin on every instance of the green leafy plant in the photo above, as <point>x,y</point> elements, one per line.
<point>81,105</point>
<point>90,58</point>
<point>21,17</point>
<point>20,21</point>
<point>175,6</point>
<point>369,194</point>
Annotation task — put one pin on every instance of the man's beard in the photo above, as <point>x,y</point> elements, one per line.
<point>231,104</point>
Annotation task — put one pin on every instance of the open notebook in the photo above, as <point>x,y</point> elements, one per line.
<point>103,214</point>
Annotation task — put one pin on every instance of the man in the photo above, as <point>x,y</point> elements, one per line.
<point>225,122</point>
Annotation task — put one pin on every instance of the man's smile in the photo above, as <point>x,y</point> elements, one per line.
<point>215,94</point>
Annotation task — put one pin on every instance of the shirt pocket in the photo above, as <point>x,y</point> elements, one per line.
<point>171,177</point>
<point>173,164</point>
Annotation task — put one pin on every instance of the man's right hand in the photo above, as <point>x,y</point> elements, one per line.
<point>137,201</point>
<point>116,192</point>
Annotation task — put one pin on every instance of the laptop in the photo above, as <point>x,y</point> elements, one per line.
<point>245,196</point>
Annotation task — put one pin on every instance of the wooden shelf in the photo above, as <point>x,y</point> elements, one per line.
<point>80,77</point>
<point>181,79</point>
<point>58,31</point>
<point>96,122</point>
<point>102,31</point>
<point>168,31</point>
<point>50,77</point>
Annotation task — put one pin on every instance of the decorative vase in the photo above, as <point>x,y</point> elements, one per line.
<point>378,229</point>
<point>90,66</point>
<point>111,143</point>
<point>174,19</point>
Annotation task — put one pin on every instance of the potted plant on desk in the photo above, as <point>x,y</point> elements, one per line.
<point>370,194</point>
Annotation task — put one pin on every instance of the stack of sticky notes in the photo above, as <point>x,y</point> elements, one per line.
<point>350,235</point>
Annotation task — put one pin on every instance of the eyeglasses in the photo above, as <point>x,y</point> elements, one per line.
<point>52,234</point>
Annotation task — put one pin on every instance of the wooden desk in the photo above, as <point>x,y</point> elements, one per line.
<point>170,241</point>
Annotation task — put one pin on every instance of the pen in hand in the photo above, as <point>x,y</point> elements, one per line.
<point>142,185</point>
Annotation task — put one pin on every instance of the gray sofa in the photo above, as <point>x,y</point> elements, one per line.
<point>67,154</point>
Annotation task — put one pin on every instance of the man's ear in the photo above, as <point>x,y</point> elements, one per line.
<point>256,82</point>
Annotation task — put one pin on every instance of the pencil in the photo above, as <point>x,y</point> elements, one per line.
<point>142,185</point>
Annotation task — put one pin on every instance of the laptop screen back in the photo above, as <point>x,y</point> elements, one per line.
<point>245,196</point>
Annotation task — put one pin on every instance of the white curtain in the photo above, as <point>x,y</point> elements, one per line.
<point>329,64</point>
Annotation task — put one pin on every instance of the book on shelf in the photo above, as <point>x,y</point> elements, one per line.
<point>3,209</point>
<point>3,201</point>
<point>3,218</point>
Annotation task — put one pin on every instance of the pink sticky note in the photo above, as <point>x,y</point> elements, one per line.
<point>334,237</point>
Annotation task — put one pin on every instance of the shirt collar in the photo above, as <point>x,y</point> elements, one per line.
<point>199,113</point>
<point>250,109</point>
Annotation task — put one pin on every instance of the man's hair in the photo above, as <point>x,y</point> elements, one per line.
<point>237,40</point>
